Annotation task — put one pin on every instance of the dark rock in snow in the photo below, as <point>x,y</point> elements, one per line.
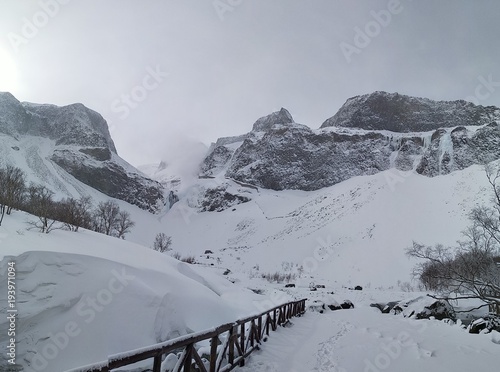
<point>347,305</point>
<point>218,199</point>
<point>385,308</point>
<point>488,323</point>
<point>343,306</point>
<point>439,310</point>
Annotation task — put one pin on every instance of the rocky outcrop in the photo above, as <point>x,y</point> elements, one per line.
<point>369,134</point>
<point>399,113</point>
<point>219,199</point>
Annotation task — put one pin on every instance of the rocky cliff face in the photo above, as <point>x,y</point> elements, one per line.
<point>399,113</point>
<point>75,140</point>
<point>369,134</point>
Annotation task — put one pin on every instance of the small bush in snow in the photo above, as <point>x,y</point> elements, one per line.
<point>279,277</point>
<point>189,259</point>
<point>162,243</point>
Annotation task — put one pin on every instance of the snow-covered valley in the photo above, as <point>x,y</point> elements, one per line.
<point>119,295</point>
<point>83,296</point>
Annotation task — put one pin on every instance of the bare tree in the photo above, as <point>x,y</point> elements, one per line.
<point>124,224</point>
<point>41,204</point>
<point>106,217</point>
<point>12,189</point>
<point>471,269</point>
<point>76,213</point>
<point>162,242</point>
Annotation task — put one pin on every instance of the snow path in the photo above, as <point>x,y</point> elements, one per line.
<point>364,340</point>
<point>299,346</point>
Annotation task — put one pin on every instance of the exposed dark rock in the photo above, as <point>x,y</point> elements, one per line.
<point>488,323</point>
<point>358,288</point>
<point>343,306</point>
<point>280,154</point>
<point>97,153</point>
<point>218,199</point>
<point>399,113</point>
<point>112,180</point>
<point>172,198</point>
<point>267,122</point>
<point>289,285</point>
<point>385,308</point>
<point>439,310</point>
<point>347,305</point>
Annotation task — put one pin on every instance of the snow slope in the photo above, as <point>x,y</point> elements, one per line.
<point>83,296</point>
<point>354,232</point>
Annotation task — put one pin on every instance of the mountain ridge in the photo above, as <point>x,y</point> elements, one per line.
<point>68,147</point>
<point>430,138</point>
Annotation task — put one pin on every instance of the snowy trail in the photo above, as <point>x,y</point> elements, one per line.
<point>364,340</point>
<point>300,346</point>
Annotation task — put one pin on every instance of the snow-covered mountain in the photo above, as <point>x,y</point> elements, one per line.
<point>69,150</point>
<point>369,134</point>
<point>333,206</point>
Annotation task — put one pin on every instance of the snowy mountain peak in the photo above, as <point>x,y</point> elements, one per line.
<point>400,113</point>
<point>370,133</point>
<point>69,149</point>
<point>266,122</point>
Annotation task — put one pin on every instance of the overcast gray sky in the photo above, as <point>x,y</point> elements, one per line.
<point>167,72</point>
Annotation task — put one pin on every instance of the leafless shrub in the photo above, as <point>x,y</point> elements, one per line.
<point>162,243</point>
<point>189,259</point>
<point>278,277</point>
<point>471,269</point>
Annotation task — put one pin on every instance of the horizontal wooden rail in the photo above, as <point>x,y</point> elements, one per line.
<point>230,344</point>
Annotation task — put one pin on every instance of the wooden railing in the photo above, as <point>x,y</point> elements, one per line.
<point>230,344</point>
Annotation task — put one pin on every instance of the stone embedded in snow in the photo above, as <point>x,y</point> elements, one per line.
<point>439,310</point>
<point>488,323</point>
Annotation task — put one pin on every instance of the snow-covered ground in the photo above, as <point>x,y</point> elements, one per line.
<point>364,340</point>
<point>83,296</point>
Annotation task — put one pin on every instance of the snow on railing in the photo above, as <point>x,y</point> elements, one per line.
<point>230,344</point>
